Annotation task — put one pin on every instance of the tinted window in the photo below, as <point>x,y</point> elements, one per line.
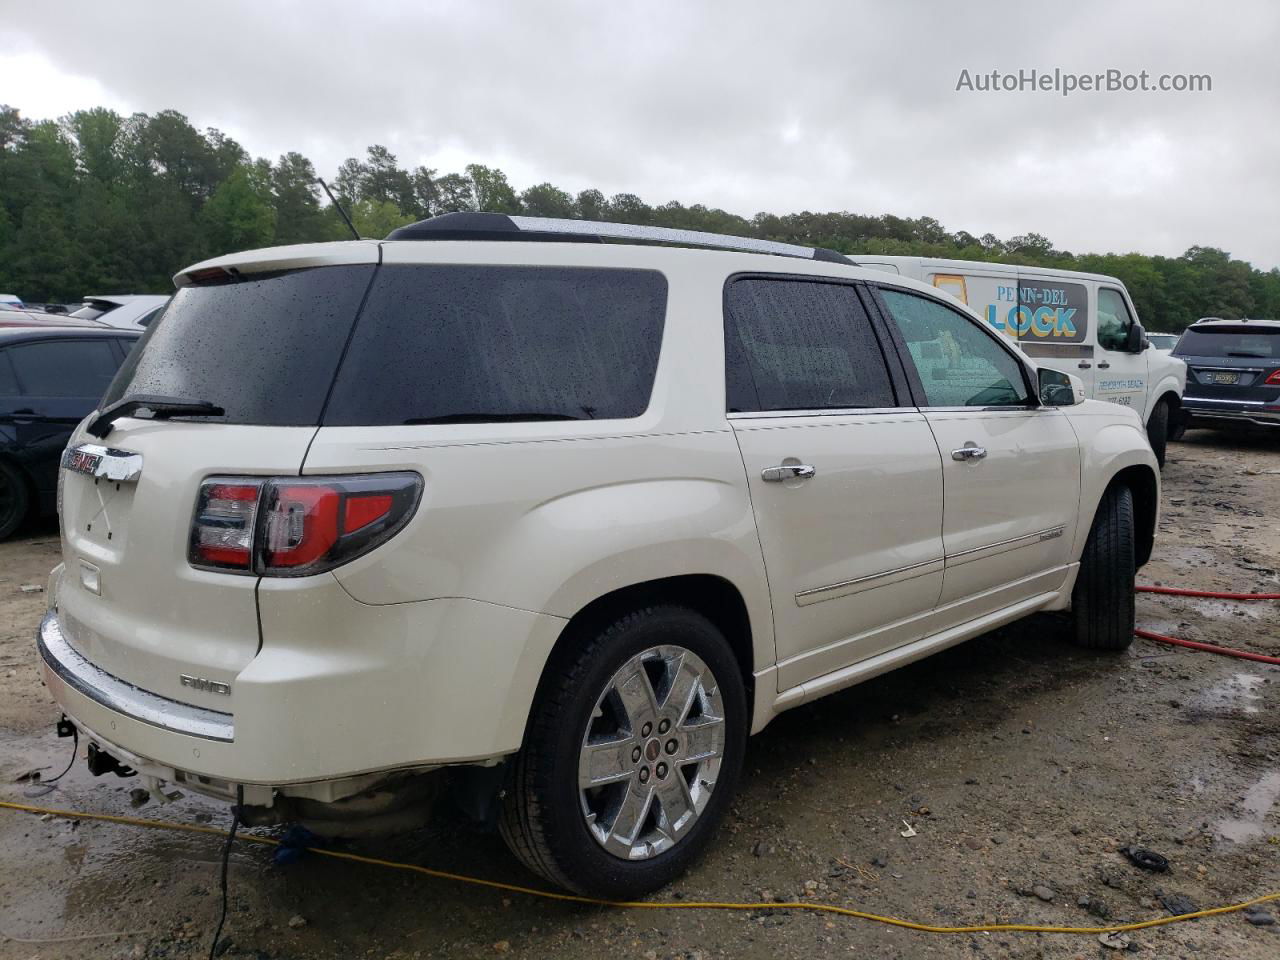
<point>959,363</point>
<point>1113,320</point>
<point>265,348</point>
<point>1259,342</point>
<point>8,382</point>
<point>479,343</point>
<point>64,368</point>
<point>800,345</point>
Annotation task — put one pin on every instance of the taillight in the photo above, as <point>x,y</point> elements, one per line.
<point>222,529</point>
<point>298,526</point>
<point>1274,379</point>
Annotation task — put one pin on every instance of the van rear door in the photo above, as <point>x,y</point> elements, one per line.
<point>264,347</point>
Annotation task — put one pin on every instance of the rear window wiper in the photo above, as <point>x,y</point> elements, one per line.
<point>490,418</point>
<point>160,407</point>
<point>1241,353</point>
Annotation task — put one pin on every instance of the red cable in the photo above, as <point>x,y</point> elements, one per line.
<point>1176,592</point>
<point>1210,648</point>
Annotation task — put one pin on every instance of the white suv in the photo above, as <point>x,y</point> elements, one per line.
<point>571,519</point>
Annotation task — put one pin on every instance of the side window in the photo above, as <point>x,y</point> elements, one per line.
<point>1113,319</point>
<point>800,345</point>
<point>64,368</point>
<point>8,382</point>
<point>959,363</point>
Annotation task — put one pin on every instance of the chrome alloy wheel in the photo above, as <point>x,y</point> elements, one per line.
<point>651,753</point>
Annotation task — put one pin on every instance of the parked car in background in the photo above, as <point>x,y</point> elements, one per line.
<point>9,301</point>
<point>572,518</point>
<point>28,318</point>
<point>1233,373</point>
<point>1164,342</point>
<point>51,377</point>
<point>1083,324</point>
<point>126,311</point>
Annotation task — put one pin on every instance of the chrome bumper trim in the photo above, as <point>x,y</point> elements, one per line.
<point>62,660</point>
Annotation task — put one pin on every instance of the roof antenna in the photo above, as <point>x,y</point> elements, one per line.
<point>351,226</point>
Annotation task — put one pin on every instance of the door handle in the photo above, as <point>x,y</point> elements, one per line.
<point>1084,364</point>
<point>788,471</point>
<point>1104,365</point>
<point>969,451</point>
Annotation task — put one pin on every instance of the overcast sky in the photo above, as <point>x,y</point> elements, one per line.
<point>777,106</point>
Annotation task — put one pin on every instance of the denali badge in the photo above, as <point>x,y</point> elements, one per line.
<point>209,686</point>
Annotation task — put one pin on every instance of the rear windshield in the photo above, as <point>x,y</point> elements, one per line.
<point>445,343</point>
<point>265,348</point>
<point>1258,342</point>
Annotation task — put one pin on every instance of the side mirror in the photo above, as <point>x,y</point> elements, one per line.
<point>1136,340</point>
<point>1058,389</point>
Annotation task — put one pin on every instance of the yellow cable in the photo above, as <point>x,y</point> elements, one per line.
<point>643,904</point>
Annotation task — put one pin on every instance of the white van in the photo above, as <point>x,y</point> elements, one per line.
<point>1083,324</point>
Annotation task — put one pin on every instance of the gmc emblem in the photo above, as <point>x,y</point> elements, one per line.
<point>208,686</point>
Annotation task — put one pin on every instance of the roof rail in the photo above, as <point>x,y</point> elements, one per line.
<point>500,226</point>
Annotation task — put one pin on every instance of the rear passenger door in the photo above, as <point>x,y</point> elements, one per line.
<point>1011,468</point>
<point>844,474</point>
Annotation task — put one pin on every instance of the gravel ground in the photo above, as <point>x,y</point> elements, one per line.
<point>1021,763</point>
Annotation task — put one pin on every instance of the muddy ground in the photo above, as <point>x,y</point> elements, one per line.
<point>1019,761</point>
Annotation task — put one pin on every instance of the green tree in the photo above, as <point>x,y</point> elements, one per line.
<point>237,216</point>
<point>491,190</point>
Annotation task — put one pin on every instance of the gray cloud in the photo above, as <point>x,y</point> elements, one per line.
<point>749,106</point>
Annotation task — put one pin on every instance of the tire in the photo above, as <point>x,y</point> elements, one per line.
<point>545,816</point>
<point>1178,426</point>
<point>15,500</point>
<point>1158,430</point>
<point>1102,602</point>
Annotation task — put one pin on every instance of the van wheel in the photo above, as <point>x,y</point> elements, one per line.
<point>632,756</point>
<point>1158,430</point>
<point>14,500</point>
<point>1102,601</point>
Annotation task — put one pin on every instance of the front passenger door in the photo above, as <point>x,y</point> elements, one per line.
<point>1010,467</point>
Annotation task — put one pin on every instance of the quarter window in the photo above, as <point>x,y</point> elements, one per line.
<point>1113,320</point>
<point>959,363</point>
<point>460,344</point>
<point>800,345</point>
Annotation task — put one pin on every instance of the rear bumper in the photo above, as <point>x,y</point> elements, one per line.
<point>349,694</point>
<point>1241,412</point>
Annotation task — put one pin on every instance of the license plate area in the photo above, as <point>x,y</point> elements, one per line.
<point>1224,377</point>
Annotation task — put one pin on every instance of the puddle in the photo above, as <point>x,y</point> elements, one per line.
<point>1254,807</point>
<point>1237,694</point>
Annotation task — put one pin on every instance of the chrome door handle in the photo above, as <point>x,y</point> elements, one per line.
<point>789,471</point>
<point>1084,364</point>
<point>968,452</point>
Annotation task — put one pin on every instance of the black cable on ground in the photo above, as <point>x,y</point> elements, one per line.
<point>226,861</point>
<point>49,784</point>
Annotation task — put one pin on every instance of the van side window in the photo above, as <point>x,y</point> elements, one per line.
<point>1113,320</point>
<point>800,345</point>
<point>959,363</point>
<point>8,380</point>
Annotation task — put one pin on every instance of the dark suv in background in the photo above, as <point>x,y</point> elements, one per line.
<point>51,377</point>
<point>1233,374</point>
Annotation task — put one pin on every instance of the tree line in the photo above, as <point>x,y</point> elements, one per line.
<point>96,202</point>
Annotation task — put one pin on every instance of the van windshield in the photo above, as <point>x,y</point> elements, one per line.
<point>1259,342</point>
<point>264,348</point>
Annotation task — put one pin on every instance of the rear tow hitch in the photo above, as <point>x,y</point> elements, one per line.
<point>101,762</point>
